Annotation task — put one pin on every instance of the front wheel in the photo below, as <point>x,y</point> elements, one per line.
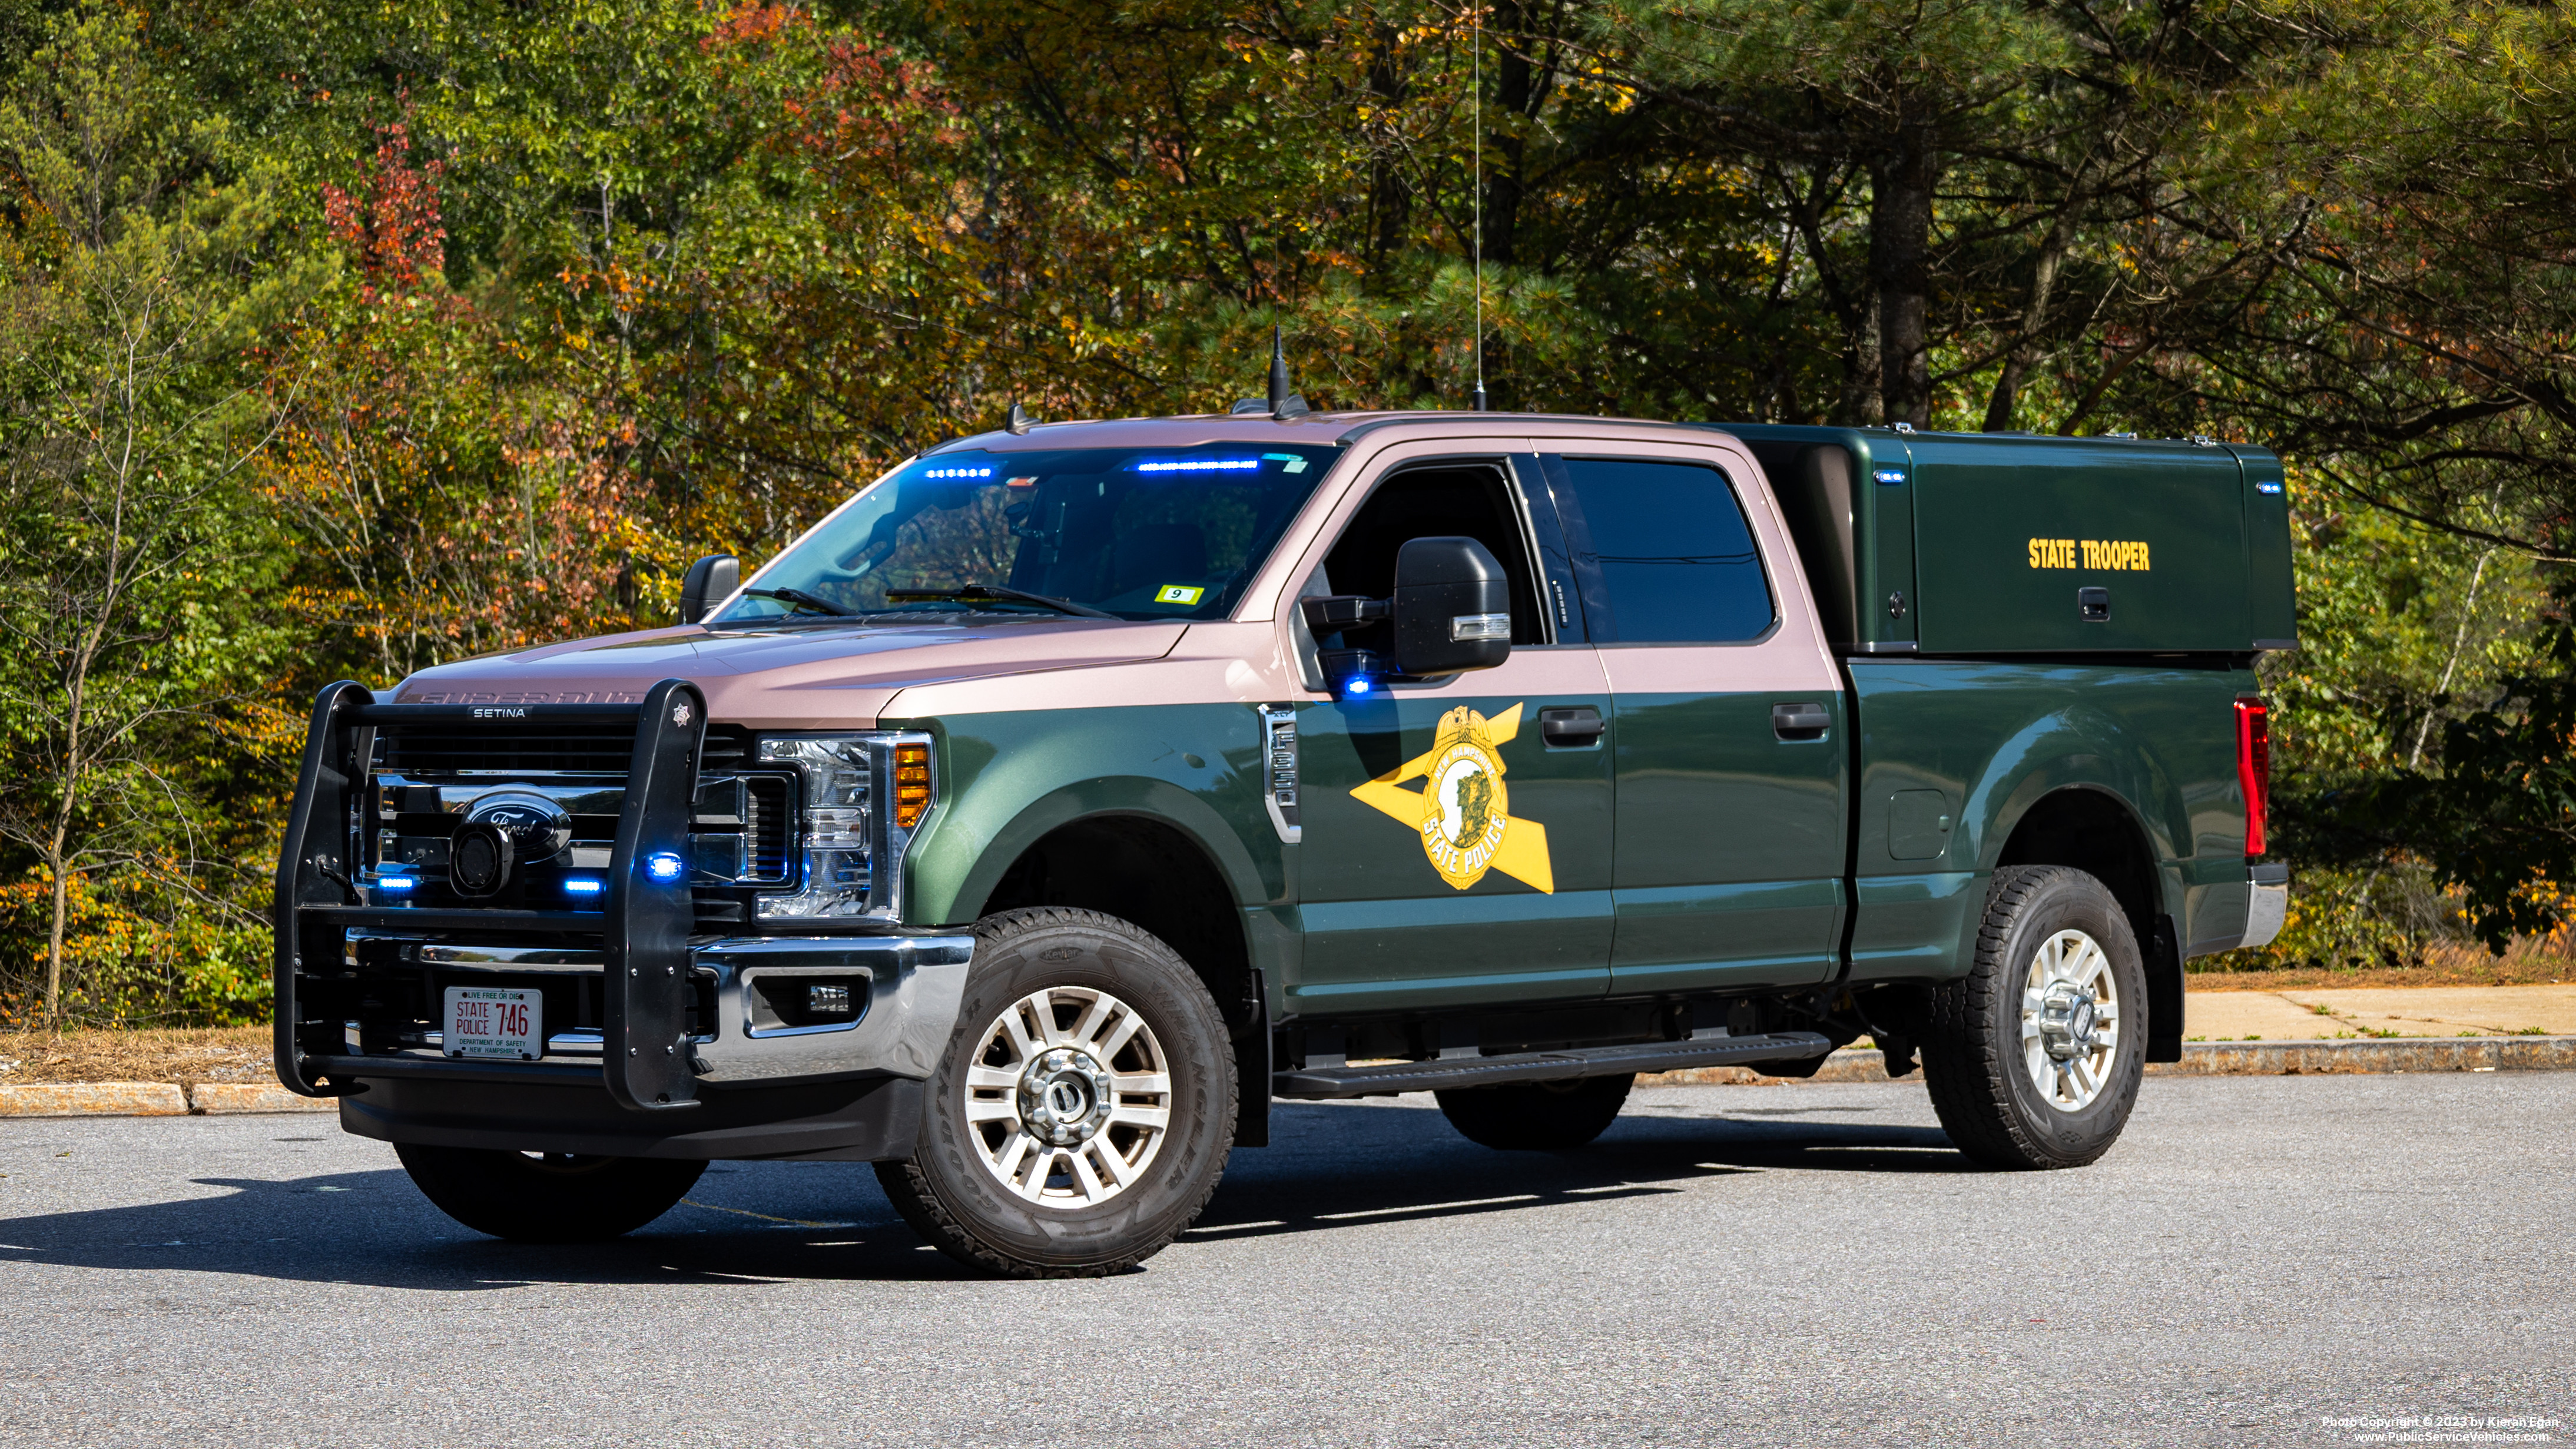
<point>1083,1110</point>
<point>2034,1057</point>
<point>549,1197</point>
<point>1536,1116</point>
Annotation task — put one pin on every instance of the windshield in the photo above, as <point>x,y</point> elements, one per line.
<point>1126,532</point>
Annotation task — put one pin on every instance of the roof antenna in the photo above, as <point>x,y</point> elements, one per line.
<point>1019,424</point>
<point>1478,50</point>
<point>1281,404</point>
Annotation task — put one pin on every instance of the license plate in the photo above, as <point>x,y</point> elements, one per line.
<point>490,1021</point>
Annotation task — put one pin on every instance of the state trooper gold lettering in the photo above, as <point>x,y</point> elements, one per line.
<point>2109,555</point>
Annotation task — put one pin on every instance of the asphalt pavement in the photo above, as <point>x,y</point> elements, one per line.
<point>2298,1260</point>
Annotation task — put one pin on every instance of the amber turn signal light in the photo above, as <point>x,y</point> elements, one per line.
<point>911,784</point>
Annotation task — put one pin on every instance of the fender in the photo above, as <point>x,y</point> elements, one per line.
<point>2079,748</point>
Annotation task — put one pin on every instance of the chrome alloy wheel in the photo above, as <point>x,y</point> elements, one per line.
<point>1069,1097</point>
<point>2070,1020</point>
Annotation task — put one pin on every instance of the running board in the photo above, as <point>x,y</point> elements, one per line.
<point>1325,1083</point>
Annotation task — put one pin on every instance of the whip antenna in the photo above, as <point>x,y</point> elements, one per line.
<point>1476,47</point>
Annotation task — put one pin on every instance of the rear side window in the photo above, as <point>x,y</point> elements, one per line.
<point>1672,556</point>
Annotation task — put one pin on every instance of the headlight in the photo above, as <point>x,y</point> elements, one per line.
<point>864,796</point>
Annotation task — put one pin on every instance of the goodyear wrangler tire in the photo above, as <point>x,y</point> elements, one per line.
<point>2033,1059</point>
<point>547,1197</point>
<point>1082,1112</point>
<point>1536,1116</point>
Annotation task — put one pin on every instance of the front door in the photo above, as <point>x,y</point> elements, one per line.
<point>1457,833</point>
<point>1727,734</point>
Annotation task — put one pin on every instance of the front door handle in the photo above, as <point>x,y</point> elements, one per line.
<point>1578,728</point>
<point>1800,721</point>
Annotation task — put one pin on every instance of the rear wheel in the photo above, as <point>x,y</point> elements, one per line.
<point>1537,1116</point>
<point>550,1197</point>
<point>2033,1059</point>
<point>1084,1107</point>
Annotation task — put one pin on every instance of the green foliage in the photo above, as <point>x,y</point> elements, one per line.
<point>459,326</point>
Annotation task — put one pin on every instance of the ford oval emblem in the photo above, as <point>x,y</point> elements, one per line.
<point>539,828</point>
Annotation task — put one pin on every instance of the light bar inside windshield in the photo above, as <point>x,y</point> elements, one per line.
<point>1198,465</point>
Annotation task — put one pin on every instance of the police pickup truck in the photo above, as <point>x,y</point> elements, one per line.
<point>1075,792</point>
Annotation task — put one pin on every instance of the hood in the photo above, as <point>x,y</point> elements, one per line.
<point>805,677</point>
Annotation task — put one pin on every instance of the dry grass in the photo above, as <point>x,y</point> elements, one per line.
<point>185,1056</point>
<point>2529,963</point>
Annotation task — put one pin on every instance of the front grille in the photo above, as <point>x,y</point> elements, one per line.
<point>570,746</point>
<point>726,748</point>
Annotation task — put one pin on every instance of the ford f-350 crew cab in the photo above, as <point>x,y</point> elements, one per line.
<point>1071,793</point>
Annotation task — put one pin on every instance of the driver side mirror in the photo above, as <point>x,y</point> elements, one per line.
<point>709,582</point>
<point>1453,607</point>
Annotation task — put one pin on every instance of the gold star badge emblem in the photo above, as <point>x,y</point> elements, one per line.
<point>1463,809</point>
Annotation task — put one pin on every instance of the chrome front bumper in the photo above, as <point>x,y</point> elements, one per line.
<point>905,994</point>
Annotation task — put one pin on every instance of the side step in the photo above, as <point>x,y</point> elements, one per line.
<point>1327,1083</point>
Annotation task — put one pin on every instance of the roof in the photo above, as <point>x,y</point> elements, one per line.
<point>1202,429</point>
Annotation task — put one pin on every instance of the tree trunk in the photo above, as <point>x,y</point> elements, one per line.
<point>1513,96</point>
<point>1390,194</point>
<point>1900,266</point>
<point>54,948</point>
<point>2034,317</point>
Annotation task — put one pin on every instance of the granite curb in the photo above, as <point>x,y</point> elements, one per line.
<point>2200,1059</point>
<point>151,1099</point>
<point>2235,1059</point>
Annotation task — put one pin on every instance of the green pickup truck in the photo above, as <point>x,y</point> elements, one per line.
<point>1075,792</point>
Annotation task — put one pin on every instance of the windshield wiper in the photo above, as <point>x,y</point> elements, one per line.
<point>973,592</point>
<point>802,600</point>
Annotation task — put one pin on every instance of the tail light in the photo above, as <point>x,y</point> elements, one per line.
<point>2254,768</point>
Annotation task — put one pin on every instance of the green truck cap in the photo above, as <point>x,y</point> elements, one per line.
<point>1986,543</point>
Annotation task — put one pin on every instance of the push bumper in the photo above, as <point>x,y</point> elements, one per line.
<point>702,1047</point>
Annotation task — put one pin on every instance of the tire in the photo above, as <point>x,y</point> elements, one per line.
<point>1050,1145</point>
<point>554,1198</point>
<point>2020,1077</point>
<point>1537,1116</point>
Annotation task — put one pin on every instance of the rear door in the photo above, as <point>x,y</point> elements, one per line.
<point>1456,834</point>
<point>1728,754</point>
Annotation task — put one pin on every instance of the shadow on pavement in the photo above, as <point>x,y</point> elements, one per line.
<point>1331,1166</point>
<point>1337,1166</point>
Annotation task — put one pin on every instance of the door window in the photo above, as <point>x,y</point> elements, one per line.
<point>1672,556</point>
<point>1444,501</point>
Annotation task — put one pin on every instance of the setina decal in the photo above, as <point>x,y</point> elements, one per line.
<point>1463,810</point>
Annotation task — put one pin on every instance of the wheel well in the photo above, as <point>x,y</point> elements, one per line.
<point>2092,832</point>
<point>1146,872</point>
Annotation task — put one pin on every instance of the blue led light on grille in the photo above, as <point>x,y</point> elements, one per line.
<point>395,884</point>
<point>1890,476</point>
<point>583,885</point>
<point>1200,465</point>
<point>664,866</point>
<point>959,473</point>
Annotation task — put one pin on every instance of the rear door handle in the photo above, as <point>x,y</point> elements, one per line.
<point>1800,721</point>
<point>1570,729</point>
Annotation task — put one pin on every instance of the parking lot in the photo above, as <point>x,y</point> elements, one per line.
<point>1731,1265</point>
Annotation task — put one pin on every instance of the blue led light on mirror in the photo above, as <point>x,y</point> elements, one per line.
<point>1357,684</point>
<point>664,866</point>
<point>583,885</point>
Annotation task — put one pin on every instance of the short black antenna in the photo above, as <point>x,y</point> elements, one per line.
<point>1283,403</point>
<point>1019,421</point>
<point>1477,46</point>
